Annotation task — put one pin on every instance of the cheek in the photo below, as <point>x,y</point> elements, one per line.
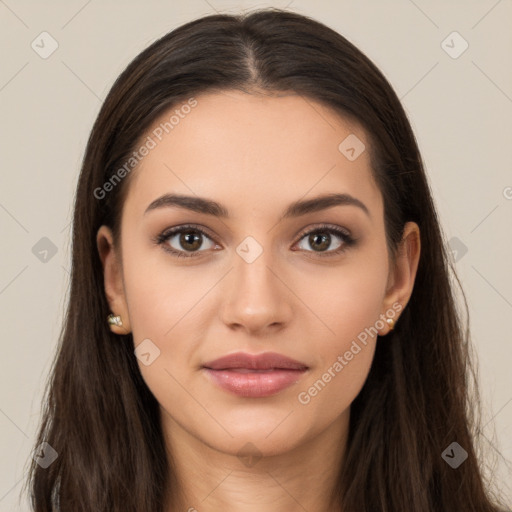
<point>167,306</point>
<point>345,351</point>
<point>161,296</point>
<point>331,390</point>
<point>345,300</point>
<point>348,306</point>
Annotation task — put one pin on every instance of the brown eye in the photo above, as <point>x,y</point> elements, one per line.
<point>190,240</point>
<point>185,241</point>
<point>321,240</point>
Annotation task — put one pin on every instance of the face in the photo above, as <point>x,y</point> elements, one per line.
<point>312,283</point>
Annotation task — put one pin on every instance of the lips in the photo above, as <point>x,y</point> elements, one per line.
<point>254,376</point>
<point>264,361</point>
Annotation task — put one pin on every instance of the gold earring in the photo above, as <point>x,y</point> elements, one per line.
<point>391,323</point>
<point>114,320</point>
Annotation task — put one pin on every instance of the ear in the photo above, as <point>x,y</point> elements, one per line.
<point>113,279</point>
<point>402,276</point>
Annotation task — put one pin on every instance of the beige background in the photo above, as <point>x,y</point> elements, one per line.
<point>460,109</point>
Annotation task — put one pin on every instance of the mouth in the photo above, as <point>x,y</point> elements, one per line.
<point>254,376</point>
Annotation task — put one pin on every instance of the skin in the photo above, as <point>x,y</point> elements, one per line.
<point>255,155</point>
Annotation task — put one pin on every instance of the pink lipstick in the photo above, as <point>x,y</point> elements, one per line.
<point>255,375</point>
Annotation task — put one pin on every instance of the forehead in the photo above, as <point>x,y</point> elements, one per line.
<point>252,150</point>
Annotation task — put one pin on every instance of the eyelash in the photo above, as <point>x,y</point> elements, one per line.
<point>162,238</point>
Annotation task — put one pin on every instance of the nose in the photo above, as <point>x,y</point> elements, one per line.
<point>257,297</point>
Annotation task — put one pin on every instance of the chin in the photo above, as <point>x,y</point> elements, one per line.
<point>251,446</point>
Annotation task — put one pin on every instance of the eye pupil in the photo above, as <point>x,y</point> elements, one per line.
<point>190,240</point>
<point>325,241</point>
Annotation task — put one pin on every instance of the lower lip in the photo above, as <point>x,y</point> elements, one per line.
<point>254,384</point>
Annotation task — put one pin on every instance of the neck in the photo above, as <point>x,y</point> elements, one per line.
<point>205,479</point>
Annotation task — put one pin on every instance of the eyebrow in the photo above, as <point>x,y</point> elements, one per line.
<point>295,209</point>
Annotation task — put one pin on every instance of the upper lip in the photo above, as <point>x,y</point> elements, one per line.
<point>264,361</point>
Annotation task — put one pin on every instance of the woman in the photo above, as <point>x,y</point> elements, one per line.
<point>261,315</point>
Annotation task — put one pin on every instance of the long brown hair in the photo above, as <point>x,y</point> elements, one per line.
<point>99,415</point>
